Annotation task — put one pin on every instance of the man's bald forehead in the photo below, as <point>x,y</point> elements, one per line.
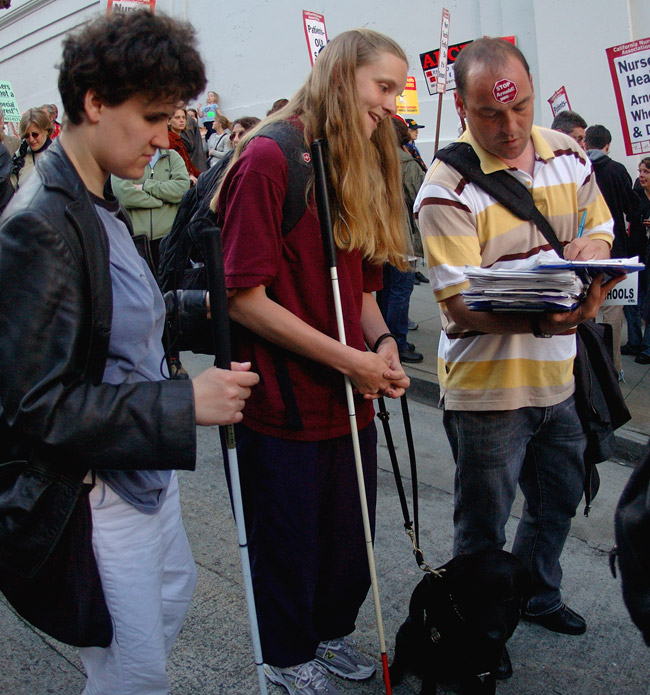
<point>485,55</point>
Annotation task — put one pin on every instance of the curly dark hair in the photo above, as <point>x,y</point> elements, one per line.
<point>129,54</point>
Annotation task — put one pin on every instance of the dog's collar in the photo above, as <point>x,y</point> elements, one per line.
<point>456,609</point>
<point>436,635</point>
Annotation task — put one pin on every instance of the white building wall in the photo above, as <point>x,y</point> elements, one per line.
<point>256,51</point>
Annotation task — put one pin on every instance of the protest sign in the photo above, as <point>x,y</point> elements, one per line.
<point>626,292</point>
<point>8,103</point>
<point>559,101</point>
<point>315,33</point>
<point>129,6</point>
<point>441,77</point>
<point>629,65</point>
<point>407,101</point>
<point>430,62</point>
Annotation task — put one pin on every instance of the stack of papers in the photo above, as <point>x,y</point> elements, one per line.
<point>545,283</point>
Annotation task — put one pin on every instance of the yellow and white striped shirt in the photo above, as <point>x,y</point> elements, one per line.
<point>462,225</point>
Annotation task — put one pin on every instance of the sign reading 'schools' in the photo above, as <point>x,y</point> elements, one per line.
<point>8,103</point>
<point>629,64</point>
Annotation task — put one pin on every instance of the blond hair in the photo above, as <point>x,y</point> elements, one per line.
<point>39,118</point>
<point>365,174</point>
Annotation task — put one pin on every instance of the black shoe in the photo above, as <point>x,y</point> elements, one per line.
<point>643,358</point>
<point>564,620</point>
<point>628,349</point>
<point>411,347</point>
<point>416,281</point>
<point>421,277</point>
<point>413,326</point>
<point>504,669</point>
<point>410,356</point>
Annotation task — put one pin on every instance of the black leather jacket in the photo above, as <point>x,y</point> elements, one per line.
<point>55,323</point>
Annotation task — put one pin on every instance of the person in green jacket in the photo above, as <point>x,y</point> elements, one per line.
<point>152,201</point>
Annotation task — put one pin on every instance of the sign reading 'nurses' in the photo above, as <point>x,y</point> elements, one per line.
<point>629,64</point>
<point>124,6</point>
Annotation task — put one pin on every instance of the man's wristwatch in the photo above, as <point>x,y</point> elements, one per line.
<point>537,331</point>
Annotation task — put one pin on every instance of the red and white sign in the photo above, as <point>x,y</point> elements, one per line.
<point>629,65</point>
<point>430,62</point>
<point>129,6</point>
<point>559,101</point>
<point>315,33</point>
<point>441,79</point>
<point>505,91</point>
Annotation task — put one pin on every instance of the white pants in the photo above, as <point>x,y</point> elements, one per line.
<point>148,575</point>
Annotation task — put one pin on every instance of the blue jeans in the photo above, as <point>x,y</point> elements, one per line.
<point>636,336</point>
<point>542,450</point>
<point>394,302</point>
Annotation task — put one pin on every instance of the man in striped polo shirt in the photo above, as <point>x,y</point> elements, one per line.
<point>507,380</point>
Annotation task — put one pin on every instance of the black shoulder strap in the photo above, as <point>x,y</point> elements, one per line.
<point>296,152</point>
<point>290,140</point>
<point>503,187</point>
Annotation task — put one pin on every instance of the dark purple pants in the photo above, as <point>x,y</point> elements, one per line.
<point>306,541</point>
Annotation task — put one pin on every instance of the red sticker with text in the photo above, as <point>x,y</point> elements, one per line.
<point>505,91</point>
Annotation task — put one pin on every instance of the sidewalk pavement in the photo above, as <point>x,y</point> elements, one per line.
<point>213,655</point>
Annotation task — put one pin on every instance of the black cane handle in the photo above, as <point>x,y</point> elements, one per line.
<point>319,162</point>
<point>217,288</point>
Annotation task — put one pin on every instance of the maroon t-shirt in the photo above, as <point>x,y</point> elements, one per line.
<point>294,270</point>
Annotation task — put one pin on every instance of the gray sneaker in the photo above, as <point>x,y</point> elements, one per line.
<point>304,679</point>
<point>341,658</point>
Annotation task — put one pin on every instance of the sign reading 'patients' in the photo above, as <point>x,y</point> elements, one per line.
<point>559,101</point>
<point>8,103</point>
<point>315,33</point>
<point>629,64</point>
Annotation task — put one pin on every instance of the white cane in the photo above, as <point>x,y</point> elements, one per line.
<point>327,232</point>
<point>221,337</point>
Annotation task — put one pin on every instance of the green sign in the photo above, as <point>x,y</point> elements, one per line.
<point>8,102</point>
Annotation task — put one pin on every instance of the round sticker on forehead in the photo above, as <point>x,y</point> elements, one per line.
<point>505,91</point>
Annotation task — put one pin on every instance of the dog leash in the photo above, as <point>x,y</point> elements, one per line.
<point>412,527</point>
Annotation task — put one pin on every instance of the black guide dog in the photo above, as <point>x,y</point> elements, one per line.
<point>460,618</point>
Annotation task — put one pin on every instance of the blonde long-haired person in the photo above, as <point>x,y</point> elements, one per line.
<point>301,498</point>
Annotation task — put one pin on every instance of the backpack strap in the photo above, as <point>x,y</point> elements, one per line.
<point>292,143</point>
<point>290,140</point>
<point>503,187</point>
